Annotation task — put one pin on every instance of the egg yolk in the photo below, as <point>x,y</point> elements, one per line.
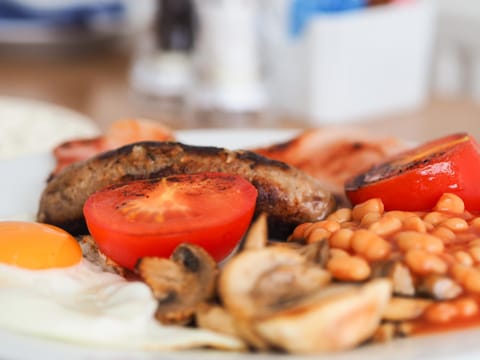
<point>37,246</point>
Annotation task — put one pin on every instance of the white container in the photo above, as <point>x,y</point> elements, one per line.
<point>457,56</point>
<point>351,66</point>
<point>227,57</point>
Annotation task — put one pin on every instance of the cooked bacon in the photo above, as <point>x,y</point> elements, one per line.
<point>335,154</point>
<point>121,132</point>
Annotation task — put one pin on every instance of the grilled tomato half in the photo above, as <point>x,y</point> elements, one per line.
<point>152,217</point>
<point>414,180</point>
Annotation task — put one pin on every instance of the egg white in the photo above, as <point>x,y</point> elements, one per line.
<point>82,304</point>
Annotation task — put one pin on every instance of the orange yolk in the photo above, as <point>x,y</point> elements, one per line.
<point>37,246</point>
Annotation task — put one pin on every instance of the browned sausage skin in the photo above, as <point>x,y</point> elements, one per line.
<point>286,194</point>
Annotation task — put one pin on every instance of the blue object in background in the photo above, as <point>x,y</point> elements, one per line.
<point>301,11</point>
<point>72,14</point>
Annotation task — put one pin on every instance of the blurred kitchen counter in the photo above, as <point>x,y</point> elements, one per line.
<point>98,87</point>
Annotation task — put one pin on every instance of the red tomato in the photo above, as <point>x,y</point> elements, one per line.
<point>151,217</point>
<point>415,180</point>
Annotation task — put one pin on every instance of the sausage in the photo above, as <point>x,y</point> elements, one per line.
<point>286,194</point>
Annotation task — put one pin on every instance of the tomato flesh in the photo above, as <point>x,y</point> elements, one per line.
<point>415,180</point>
<point>151,217</point>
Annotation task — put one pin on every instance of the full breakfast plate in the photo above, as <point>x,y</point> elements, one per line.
<point>20,201</point>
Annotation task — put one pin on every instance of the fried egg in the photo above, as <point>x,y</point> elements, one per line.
<point>47,289</point>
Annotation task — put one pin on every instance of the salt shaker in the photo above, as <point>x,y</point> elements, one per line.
<point>227,61</point>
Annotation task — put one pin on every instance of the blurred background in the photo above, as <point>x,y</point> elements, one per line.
<point>408,66</point>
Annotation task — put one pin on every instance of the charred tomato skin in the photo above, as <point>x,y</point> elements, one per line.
<point>414,180</point>
<point>152,217</point>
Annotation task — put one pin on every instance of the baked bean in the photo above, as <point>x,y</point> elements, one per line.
<point>341,215</point>
<point>455,224</point>
<point>435,217</point>
<point>317,235</point>
<point>463,258</point>
<point>349,268</point>
<point>441,312</point>
<point>369,206</point>
<point>329,225</point>
<point>475,222</point>
<point>441,232</point>
<point>299,231</point>
<point>325,224</point>
<point>449,258</point>
<point>467,215</point>
<point>467,307</point>
<point>467,276</point>
<point>464,238</point>
<point>449,310</point>
<point>370,245</point>
<point>474,242</point>
<point>425,263</point>
<point>386,225</point>
<point>450,203</point>
<point>341,239</point>
<point>408,240</point>
<point>414,223</point>
<point>365,234</point>
<point>322,229</point>
<point>474,252</point>
<point>338,253</point>
<point>369,219</point>
<point>400,215</point>
<point>349,225</point>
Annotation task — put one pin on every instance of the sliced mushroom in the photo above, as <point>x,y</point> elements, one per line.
<point>281,300</point>
<point>277,288</point>
<point>389,330</point>
<point>180,283</point>
<point>439,287</point>
<point>401,309</point>
<point>257,236</point>
<point>328,321</point>
<point>240,276</point>
<point>401,277</point>
<point>404,329</point>
<point>316,252</point>
<point>214,317</point>
<point>240,285</point>
<point>384,333</point>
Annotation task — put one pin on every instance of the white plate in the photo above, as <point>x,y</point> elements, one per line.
<point>23,197</point>
<point>30,126</point>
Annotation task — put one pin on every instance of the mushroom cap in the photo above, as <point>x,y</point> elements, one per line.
<point>248,279</point>
<point>180,283</point>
